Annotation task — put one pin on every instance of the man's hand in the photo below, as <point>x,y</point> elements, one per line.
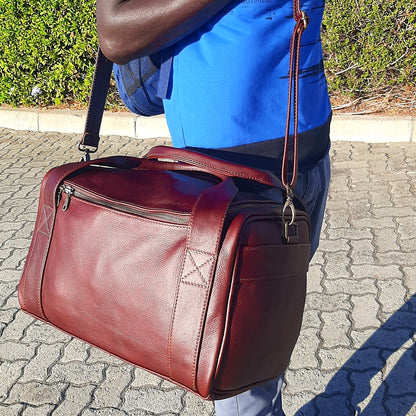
<point>131,28</point>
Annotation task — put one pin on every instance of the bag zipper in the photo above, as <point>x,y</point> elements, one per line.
<point>70,191</point>
<point>172,217</point>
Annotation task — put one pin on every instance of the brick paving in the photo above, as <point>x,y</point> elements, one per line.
<point>356,354</point>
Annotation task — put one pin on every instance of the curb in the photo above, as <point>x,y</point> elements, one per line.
<point>373,129</point>
<point>67,121</point>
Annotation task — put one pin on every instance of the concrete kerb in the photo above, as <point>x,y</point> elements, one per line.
<point>365,128</point>
<point>66,121</point>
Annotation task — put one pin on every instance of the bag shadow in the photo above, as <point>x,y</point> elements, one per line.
<point>351,391</point>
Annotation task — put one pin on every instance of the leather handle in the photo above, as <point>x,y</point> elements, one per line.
<point>214,166</point>
<point>196,278</point>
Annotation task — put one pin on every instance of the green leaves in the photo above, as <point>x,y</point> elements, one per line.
<point>48,48</point>
<point>48,51</point>
<point>370,44</point>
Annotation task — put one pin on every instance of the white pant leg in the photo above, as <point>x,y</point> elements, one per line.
<point>263,400</point>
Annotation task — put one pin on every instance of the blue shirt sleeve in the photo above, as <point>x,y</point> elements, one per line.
<point>230,78</point>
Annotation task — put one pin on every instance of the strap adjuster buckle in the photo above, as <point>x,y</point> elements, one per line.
<point>305,19</point>
<point>87,150</point>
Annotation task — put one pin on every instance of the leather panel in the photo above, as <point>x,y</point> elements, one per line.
<point>215,324</point>
<point>154,190</point>
<point>265,314</point>
<point>114,297</point>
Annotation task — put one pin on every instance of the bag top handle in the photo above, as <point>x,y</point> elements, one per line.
<point>213,165</point>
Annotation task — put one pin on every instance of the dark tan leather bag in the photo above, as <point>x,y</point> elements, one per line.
<point>173,262</point>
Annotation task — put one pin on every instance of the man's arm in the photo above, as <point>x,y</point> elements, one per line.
<point>131,28</point>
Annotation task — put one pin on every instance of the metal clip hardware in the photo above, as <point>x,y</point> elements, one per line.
<point>86,156</point>
<point>305,19</point>
<point>59,196</point>
<point>288,204</point>
<point>87,150</point>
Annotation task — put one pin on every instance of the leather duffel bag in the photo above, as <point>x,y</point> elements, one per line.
<point>175,262</point>
<point>175,267</point>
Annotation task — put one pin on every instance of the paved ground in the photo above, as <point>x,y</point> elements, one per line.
<point>356,353</point>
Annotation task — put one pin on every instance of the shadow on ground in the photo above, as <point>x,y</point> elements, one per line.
<point>351,392</point>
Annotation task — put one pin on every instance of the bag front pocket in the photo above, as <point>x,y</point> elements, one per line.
<point>117,286</point>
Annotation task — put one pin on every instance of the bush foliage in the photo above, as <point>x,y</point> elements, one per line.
<point>48,48</point>
<point>370,45</point>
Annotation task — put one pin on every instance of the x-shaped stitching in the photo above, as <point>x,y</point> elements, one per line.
<point>206,259</point>
<point>45,225</point>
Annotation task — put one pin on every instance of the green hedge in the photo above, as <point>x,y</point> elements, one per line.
<point>370,45</point>
<point>48,48</point>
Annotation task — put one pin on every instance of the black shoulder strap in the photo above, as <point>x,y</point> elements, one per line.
<point>101,81</point>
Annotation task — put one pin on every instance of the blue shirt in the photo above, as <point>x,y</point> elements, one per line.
<point>229,84</point>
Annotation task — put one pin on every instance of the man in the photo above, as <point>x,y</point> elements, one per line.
<point>228,95</point>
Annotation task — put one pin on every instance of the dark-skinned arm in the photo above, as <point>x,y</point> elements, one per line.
<point>131,28</point>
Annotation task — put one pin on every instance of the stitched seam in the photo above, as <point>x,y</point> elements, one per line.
<point>136,217</point>
<point>197,267</point>
<point>200,252</point>
<point>267,278</point>
<point>259,248</point>
<point>43,232</point>
<point>42,271</point>
<point>130,204</point>
<point>195,357</point>
<point>172,323</point>
<point>195,284</point>
<point>46,219</point>
<point>169,352</point>
<point>28,260</point>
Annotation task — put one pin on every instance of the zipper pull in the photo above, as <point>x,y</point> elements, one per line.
<point>59,195</point>
<point>69,191</point>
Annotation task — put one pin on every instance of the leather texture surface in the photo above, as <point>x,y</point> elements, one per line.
<point>174,265</point>
<point>183,272</point>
